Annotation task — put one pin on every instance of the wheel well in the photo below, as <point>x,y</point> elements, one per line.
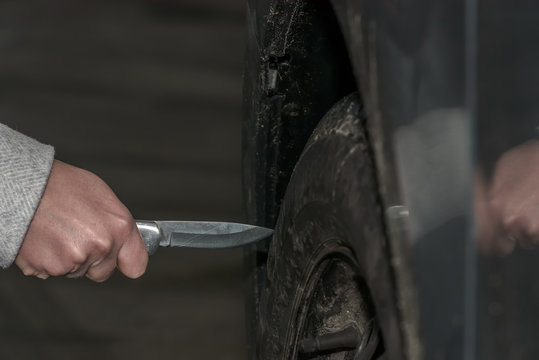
<point>297,68</point>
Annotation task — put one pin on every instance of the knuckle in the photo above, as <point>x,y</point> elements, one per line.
<point>511,222</point>
<point>123,225</point>
<point>102,246</point>
<point>56,269</point>
<point>531,228</point>
<point>78,258</point>
<point>511,218</point>
<point>522,224</point>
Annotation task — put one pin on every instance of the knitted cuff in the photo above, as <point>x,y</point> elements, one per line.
<point>25,165</point>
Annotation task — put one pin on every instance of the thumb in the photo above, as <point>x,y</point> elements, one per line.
<point>133,256</point>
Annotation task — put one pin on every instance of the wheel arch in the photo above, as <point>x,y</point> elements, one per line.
<point>298,68</point>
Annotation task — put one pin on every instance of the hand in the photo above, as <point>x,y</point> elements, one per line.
<point>80,229</point>
<point>508,212</point>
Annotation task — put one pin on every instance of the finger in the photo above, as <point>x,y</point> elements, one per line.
<point>530,229</point>
<point>30,271</point>
<point>528,242</point>
<point>78,272</point>
<point>497,245</point>
<point>133,256</point>
<point>101,271</point>
<point>522,228</point>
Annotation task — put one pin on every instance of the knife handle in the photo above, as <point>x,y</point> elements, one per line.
<point>150,233</point>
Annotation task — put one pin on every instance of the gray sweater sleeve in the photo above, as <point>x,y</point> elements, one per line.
<point>25,165</point>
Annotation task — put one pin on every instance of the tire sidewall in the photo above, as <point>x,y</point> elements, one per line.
<point>332,198</point>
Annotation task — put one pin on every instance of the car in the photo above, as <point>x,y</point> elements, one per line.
<point>371,131</point>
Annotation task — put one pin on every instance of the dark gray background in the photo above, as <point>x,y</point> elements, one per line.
<point>147,94</point>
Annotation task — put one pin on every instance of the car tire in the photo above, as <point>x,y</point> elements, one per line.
<point>328,270</point>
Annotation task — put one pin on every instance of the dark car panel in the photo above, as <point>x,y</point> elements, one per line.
<point>450,89</point>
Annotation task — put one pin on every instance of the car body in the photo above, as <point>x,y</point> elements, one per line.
<point>448,87</point>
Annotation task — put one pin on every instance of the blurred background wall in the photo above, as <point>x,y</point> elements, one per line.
<point>146,94</point>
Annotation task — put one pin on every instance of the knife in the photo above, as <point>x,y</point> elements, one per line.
<point>199,234</point>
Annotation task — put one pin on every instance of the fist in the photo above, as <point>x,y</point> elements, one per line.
<point>80,228</point>
<point>508,209</point>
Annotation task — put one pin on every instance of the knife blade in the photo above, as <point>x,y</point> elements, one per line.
<point>199,234</point>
